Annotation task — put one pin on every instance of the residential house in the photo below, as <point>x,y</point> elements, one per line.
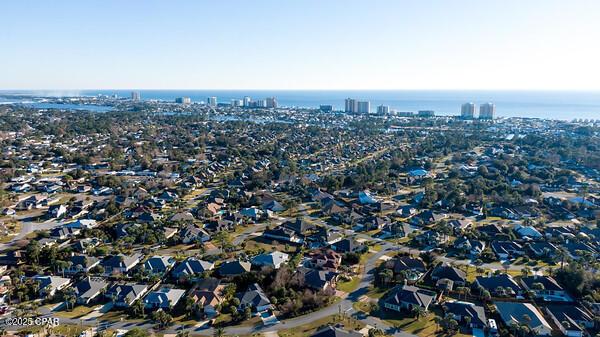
<point>490,230</point>
<point>459,226</point>
<point>120,264</point>
<point>545,287</point>
<point>499,285</point>
<point>12,258</point>
<point>234,268</point>
<point>412,268</point>
<point>164,298</point>
<point>193,234</point>
<point>209,294</point>
<point>123,295</point>
<point>49,285</point>
<point>326,259</point>
<point>404,298</point>
<point>274,260</point>
<point>299,226</point>
<point>461,310</point>
<point>88,289</point>
<point>81,264</point>
<point>527,232</point>
<point>159,264</point>
<point>191,267</point>
<point>431,238</point>
<point>254,298</point>
<point>321,280</point>
<point>444,272</point>
<point>56,212</point>
<point>543,249</point>
<point>348,245</point>
<point>507,249</point>
<point>283,234</point>
<point>63,233</point>
<point>472,247</point>
<point>572,320</point>
<point>523,314</point>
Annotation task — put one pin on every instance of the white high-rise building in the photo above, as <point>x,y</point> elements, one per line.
<point>236,102</point>
<point>261,103</point>
<point>136,96</point>
<point>183,100</point>
<point>271,102</point>
<point>212,101</point>
<point>487,111</point>
<point>364,107</point>
<point>355,106</point>
<point>383,109</point>
<point>467,110</point>
<point>350,105</point>
<point>247,101</point>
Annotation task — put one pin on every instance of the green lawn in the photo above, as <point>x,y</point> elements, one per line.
<point>376,293</point>
<point>77,312</point>
<point>423,327</point>
<point>349,286</point>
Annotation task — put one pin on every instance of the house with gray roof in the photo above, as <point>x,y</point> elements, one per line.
<point>254,298</point>
<point>274,260</point>
<point>406,297</point>
<point>49,285</point>
<point>234,268</point>
<point>81,264</point>
<point>191,266</point>
<point>545,287</point>
<point>120,263</point>
<point>164,298</point>
<point>572,320</point>
<point>523,313</point>
<point>461,310</point>
<point>123,295</point>
<point>88,289</point>
<point>159,264</point>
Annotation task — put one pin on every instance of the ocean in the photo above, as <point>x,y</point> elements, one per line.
<point>565,105</point>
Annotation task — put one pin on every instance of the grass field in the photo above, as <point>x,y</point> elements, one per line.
<point>77,312</point>
<point>349,286</point>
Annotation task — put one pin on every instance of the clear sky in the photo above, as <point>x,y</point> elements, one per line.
<point>300,44</point>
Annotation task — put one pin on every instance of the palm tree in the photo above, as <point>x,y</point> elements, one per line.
<point>219,332</point>
<point>562,254</point>
<point>417,311</point>
<point>138,308</point>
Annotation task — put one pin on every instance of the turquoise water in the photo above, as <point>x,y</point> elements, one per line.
<point>537,104</point>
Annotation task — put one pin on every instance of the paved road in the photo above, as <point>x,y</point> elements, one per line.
<point>28,225</point>
<point>345,303</point>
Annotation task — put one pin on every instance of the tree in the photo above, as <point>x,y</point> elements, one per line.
<point>33,252</point>
<point>162,319</point>
<point>189,306</point>
<point>137,309</point>
<point>219,332</point>
<point>417,311</point>
<point>70,299</point>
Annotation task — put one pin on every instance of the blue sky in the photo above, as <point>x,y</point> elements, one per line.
<point>304,44</point>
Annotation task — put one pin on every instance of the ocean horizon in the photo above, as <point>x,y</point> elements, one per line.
<point>565,105</point>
